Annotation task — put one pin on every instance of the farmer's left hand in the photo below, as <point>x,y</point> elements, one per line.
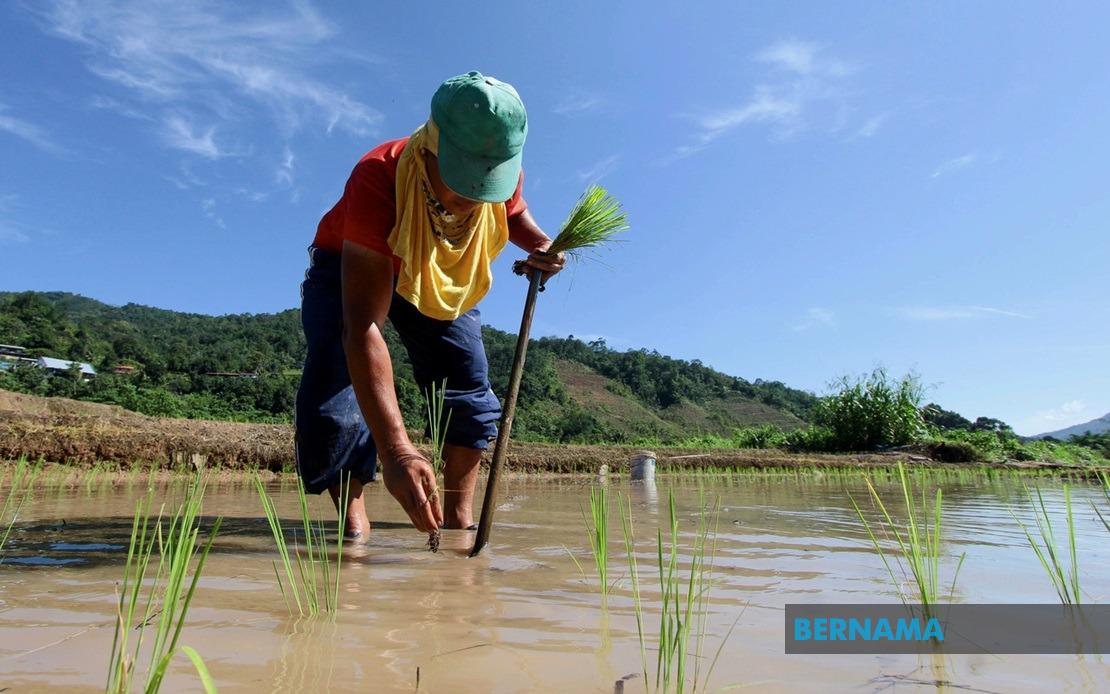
<point>547,263</point>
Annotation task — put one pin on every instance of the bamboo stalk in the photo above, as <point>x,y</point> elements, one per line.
<point>501,448</point>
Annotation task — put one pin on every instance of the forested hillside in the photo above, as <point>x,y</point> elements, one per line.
<point>246,367</point>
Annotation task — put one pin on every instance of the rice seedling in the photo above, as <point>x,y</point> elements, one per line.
<point>597,530</point>
<point>624,506</point>
<point>310,578</point>
<point>684,601</point>
<point>438,421</point>
<point>13,501</point>
<point>168,595</point>
<point>918,545</point>
<point>435,402</point>
<point>1105,479</point>
<point>1064,576</point>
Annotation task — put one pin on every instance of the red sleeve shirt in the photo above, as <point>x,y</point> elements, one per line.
<point>368,209</point>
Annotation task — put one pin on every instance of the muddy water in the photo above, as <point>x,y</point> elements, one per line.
<point>521,617</point>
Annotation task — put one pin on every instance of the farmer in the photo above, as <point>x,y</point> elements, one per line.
<point>413,238</point>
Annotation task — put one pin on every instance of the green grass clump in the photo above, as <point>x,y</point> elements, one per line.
<point>1064,573</point>
<point>168,594</point>
<point>918,543</point>
<point>595,219</point>
<point>310,577</point>
<point>684,602</point>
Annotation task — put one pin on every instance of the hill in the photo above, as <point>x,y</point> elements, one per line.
<point>246,367</point>
<point>1100,425</point>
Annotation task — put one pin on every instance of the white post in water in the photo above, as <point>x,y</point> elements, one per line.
<point>642,467</point>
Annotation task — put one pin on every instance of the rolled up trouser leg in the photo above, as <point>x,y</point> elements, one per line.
<point>332,438</point>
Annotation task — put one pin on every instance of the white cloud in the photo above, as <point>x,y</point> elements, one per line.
<point>872,125</point>
<point>578,103</point>
<point>961,162</point>
<point>764,107</point>
<point>1068,414</point>
<point>252,195</point>
<point>208,205</point>
<point>11,231</point>
<point>599,170</point>
<point>109,104</point>
<point>805,88</point>
<point>180,134</point>
<point>284,173</point>
<point>1066,411</point>
<point>936,313</point>
<point>214,58</point>
<point>816,317</point>
<point>802,58</point>
<point>26,130</point>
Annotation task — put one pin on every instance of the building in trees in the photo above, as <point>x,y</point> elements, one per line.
<point>62,366</point>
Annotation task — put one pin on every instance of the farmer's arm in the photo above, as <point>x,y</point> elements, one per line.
<point>367,278</point>
<point>527,235</point>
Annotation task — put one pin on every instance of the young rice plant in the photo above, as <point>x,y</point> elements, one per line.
<point>18,491</point>
<point>684,602</point>
<point>168,594</point>
<point>918,543</point>
<point>310,578</point>
<point>1064,574</point>
<point>597,530</point>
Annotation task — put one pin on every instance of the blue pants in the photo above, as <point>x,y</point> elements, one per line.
<point>331,435</point>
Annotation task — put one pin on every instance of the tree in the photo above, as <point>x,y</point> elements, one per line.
<point>996,426</point>
<point>944,419</point>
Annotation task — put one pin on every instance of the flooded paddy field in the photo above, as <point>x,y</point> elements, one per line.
<point>528,613</point>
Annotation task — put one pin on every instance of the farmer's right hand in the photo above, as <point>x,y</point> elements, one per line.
<point>412,482</point>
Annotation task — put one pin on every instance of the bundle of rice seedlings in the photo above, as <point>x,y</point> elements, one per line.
<point>594,220</point>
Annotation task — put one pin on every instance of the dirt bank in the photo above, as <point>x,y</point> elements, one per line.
<point>61,430</point>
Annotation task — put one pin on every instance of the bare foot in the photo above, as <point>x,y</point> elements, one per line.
<point>356,526</point>
<point>460,474</point>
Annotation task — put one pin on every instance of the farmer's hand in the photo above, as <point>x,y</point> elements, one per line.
<point>547,263</point>
<point>410,479</point>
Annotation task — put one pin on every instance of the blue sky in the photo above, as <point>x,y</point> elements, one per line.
<point>814,190</point>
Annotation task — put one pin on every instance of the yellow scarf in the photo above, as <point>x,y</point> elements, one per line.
<point>443,274</point>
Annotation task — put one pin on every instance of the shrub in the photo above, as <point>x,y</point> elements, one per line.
<point>952,451</point>
<point>766,436</point>
<point>873,411</point>
<point>810,440</point>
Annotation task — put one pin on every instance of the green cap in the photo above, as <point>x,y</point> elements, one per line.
<point>482,127</point>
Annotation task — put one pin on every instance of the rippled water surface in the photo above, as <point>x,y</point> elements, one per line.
<point>521,617</point>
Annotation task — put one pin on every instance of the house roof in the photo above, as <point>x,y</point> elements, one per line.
<point>62,365</point>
